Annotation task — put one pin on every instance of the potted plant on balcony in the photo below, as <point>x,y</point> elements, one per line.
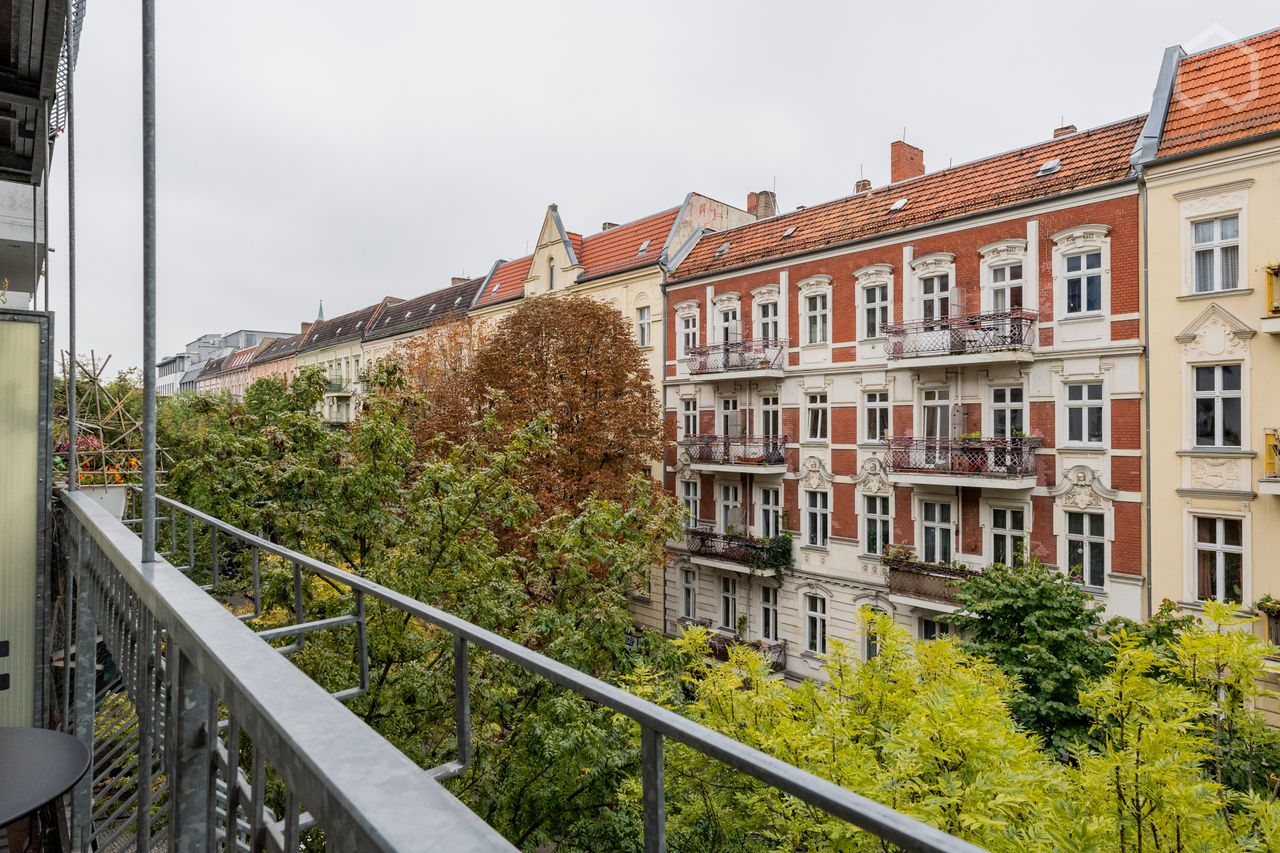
<point>1270,607</point>
<point>772,555</point>
<point>103,474</point>
<point>971,453</point>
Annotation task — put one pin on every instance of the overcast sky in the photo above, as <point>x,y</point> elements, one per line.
<point>345,151</point>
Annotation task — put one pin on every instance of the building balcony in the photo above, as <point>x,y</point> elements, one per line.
<point>993,463</point>
<point>1270,482</point>
<point>774,652</point>
<point>760,358</point>
<point>912,578</point>
<point>726,550</point>
<point>339,388</point>
<point>762,454</point>
<point>968,338</point>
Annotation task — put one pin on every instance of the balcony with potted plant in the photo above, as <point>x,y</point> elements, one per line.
<point>913,578</point>
<point>971,459</point>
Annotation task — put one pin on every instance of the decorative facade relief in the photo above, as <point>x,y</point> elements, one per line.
<point>874,275</point>
<point>871,478</point>
<point>936,263</point>
<point>1082,489</point>
<point>1216,333</point>
<point>1215,473</point>
<point>814,474</point>
<point>1080,238</point>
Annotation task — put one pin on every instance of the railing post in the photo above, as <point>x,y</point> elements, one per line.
<point>462,699</point>
<point>189,741</point>
<point>655,808</point>
<point>85,691</point>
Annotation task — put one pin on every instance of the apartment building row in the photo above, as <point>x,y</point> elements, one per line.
<point>1049,353</point>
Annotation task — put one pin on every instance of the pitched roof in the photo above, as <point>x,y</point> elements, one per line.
<point>506,282</point>
<point>1227,94</point>
<point>347,327</point>
<point>239,359</point>
<point>619,248</point>
<point>447,302</point>
<point>212,366</point>
<point>282,348</point>
<point>1089,158</point>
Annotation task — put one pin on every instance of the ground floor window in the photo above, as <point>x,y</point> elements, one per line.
<point>1219,559</point>
<point>815,608</point>
<point>728,603</point>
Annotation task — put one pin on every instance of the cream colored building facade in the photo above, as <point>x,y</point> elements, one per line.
<point>1212,228</point>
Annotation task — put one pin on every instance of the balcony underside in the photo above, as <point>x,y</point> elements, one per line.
<point>961,358</point>
<point>738,468</point>
<point>727,375</point>
<point>1269,486</point>
<point>977,481</point>
<point>725,565</point>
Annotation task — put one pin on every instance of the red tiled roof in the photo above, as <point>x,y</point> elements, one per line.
<point>507,282</point>
<point>421,312</point>
<point>239,359</point>
<point>1090,158</point>
<point>618,249</point>
<point>1226,94</point>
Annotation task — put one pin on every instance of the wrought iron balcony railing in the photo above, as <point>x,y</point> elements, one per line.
<point>773,651</point>
<point>909,576</point>
<point>993,331</point>
<point>725,546</point>
<point>736,449</point>
<point>759,354</point>
<point>1006,458</point>
<point>195,681</point>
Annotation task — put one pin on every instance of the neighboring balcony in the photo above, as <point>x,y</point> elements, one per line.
<point>761,358</point>
<point>761,454</point>
<point>1270,482</point>
<point>726,550</point>
<point>993,463</point>
<point>912,578</point>
<point>993,336</point>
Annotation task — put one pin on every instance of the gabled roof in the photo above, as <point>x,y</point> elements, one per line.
<point>212,366</point>
<point>505,283</point>
<point>348,327</point>
<point>619,248</point>
<point>448,302</point>
<point>1086,159</point>
<point>282,348</point>
<point>1227,94</point>
<point>239,359</point>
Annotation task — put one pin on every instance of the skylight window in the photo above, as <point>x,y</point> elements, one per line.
<point>496,285</point>
<point>432,308</point>
<point>897,205</point>
<point>644,247</point>
<point>456,301</point>
<point>789,231</point>
<point>339,331</point>
<point>408,314</point>
<point>1048,167</point>
<point>724,247</point>
<point>359,324</point>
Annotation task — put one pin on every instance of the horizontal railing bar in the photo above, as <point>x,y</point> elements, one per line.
<point>348,694</point>
<point>306,627</point>
<point>841,802</point>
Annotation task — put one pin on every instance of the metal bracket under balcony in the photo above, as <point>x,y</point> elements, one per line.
<point>994,463</point>
<point>760,358</point>
<point>965,339</point>
<point>722,550</point>
<point>909,577</point>
<point>761,454</point>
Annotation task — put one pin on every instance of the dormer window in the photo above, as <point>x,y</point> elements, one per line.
<point>644,247</point>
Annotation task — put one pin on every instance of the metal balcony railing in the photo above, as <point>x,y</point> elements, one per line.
<point>736,449</point>
<point>197,681</point>
<point>1009,458</point>
<point>759,354</point>
<point>774,652</point>
<point>909,576</point>
<point>724,546</point>
<point>993,331</point>
<point>1271,454</point>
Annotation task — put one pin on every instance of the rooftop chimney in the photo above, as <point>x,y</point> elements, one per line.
<point>862,185</point>
<point>605,226</point>
<point>306,327</point>
<point>905,161</point>
<point>1065,130</point>
<point>458,279</point>
<point>763,204</point>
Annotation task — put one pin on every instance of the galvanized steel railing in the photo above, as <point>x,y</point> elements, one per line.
<point>759,354</point>
<point>1001,458</point>
<point>736,449</point>
<point>993,331</point>
<point>353,783</point>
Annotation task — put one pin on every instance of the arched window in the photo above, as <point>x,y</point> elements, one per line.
<point>551,273</point>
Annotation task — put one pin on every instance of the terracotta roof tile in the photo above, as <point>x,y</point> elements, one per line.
<point>1085,159</point>
<point>1226,94</point>
<point>506,283</point>
<point>619,248</point>
<point>451,301</point>
<point>239,359</point>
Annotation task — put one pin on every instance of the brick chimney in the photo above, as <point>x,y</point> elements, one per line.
<point>605,226</point>
<point>458,279</point>
<point>862,185</point>
<point>905,161</point>
<point>306,327</point>
<point>763,204</point>
<point>1065,130</point>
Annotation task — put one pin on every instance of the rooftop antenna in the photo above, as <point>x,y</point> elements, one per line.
<point>904,133</point>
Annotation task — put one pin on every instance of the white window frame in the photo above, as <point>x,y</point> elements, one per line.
<point>729,506</point>
<point>690,496</point>
<point>939,629</point>
<point>876,281</point>
<point>1084,404</point>
<point>877,524</point>
<point>768,320</point>
<point>728,323</point>
<point>771,415</point>
<point>1080,240</point>
<point>1217,395</point>
<point>1007,532</point>
<point>769,612</point>
<point>815,623</point>
<point>1003,254</point>
<point>816,318</point>
<point>878,409</point>
<point>689,416</point>
<point>817,518</point>
<point>817,416</point>
<point>728,409</point>
<point>929,266</point>
<point>728,602</point>
<point>1220,548</point>
<point>770,511</point>
<point>689,593</point>
<point>945,407</point>
<point>950,527</point>
<point>1087,538</point>
<point>1020,409</point>
<point>644,327</point>
<point>1216,202</point>
<point>1215,245</point>
<point>687,336</point>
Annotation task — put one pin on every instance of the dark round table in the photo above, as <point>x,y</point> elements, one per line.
<point>36,767</point>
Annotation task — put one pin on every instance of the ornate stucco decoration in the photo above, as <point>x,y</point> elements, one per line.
<point>1216,333</point>
<point>722,301</point>
<point>871,478</point>
<point>689,306</point>
<point>1080,237</point>
<point>934,263</point>
<point>814,474</point>
<point>1082,489</point>
<point>765,293</point>
<point>1215,473</point>
<point>815,283</point>
<point>1223,197</point>
<point>875,274</point>
<point>683,471</point>
<point>1013,249</point>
